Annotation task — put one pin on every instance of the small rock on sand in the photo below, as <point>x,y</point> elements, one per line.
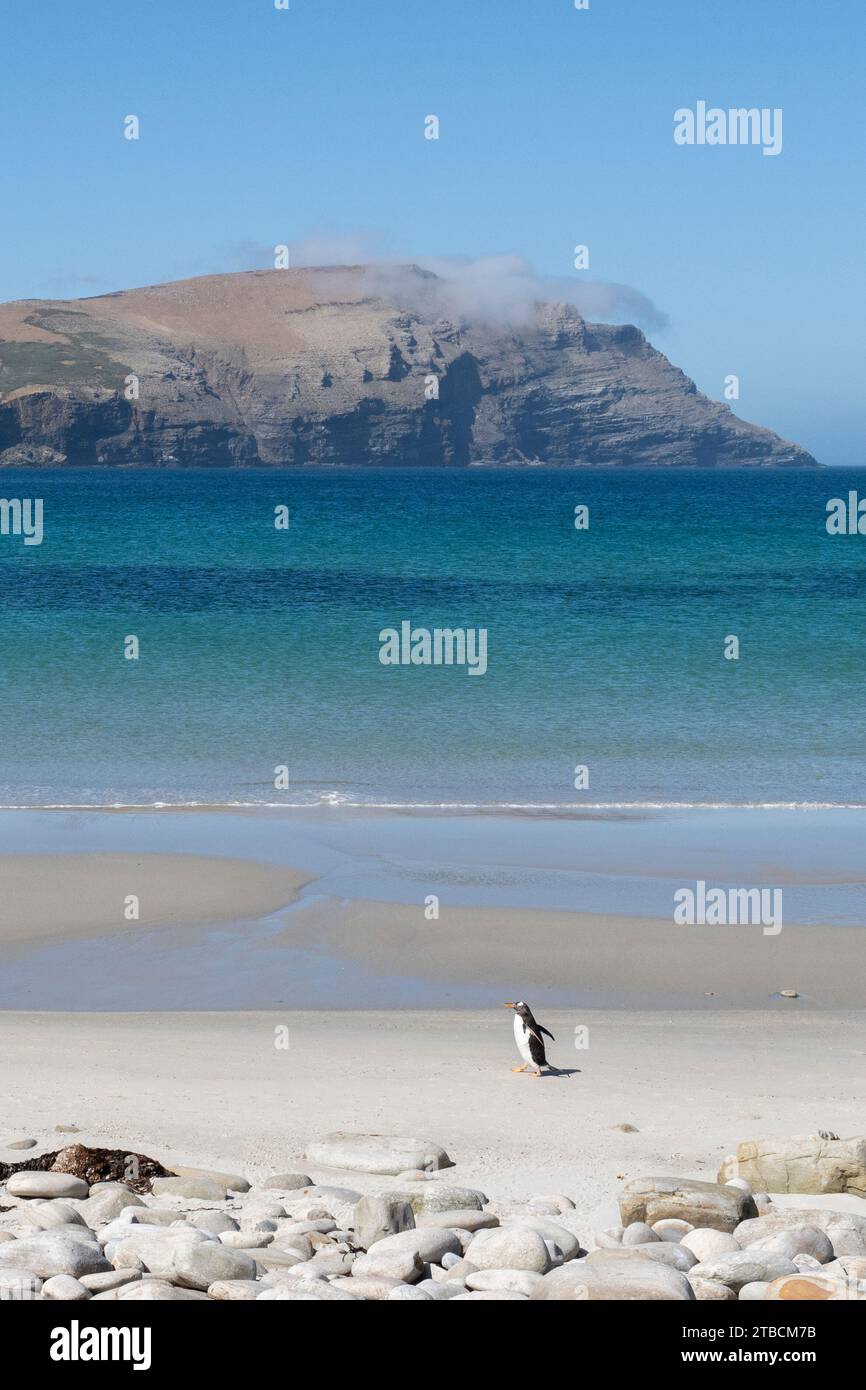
<point>46,1185</point>
<point>377,1217</point>
<point>205,1189</point>
<point>376,1153</point>
<point>509,1247</point>
<point>65,1288</point>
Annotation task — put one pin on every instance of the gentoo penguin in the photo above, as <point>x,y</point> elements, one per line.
<point>527,1035</point>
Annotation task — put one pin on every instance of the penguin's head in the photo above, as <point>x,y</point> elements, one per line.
<point>519,1007</point>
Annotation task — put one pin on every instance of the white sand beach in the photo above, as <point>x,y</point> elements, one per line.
<point>213,1090</point>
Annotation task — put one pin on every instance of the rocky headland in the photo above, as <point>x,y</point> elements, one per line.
<point>347,366</point>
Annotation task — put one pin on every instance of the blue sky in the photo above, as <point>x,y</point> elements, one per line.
<point>261,126</point>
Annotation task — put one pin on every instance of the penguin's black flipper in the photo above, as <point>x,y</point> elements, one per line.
<point>547,1031</point>
<point>536,1048</point>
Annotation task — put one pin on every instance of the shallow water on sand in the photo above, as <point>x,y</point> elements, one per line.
<point>612,864</point>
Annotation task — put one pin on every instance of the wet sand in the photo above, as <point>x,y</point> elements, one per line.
<point>589,957</point>
<point>58,896</point>
<point>328,911</point>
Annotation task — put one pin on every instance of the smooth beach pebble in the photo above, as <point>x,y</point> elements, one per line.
<point>112,1279</point>
<point>18,1144</point>
<point>107,1201</point>
<point>198,1266</point>
<point>157,1290</point>
<point>639,1233</point>
<point>745,1267</point>
<point>263,1210</point>
<point>377,1217</point>
<point>806,1262</point>
<point>322,1227</point>
<point>304,1289</point>
<point>617,1278</point>
<point>489,1296</point>
<point>202,1187</point>
<point>234,1290</point>
<point>706,1243</point>
<point>604,1241</point>
<point>549,1230</point>
<point>274,1261</point>
<point>46,1185</point>
<point>847,1230</point>
<point>798,1240</point>
<point>428,1242</point>
<point>459,1270</point>
<point>62,1286</point>
<point>376,1153</point>
<point>751,1293</point>
<point>672,1228</point>
<point>662,1252</point>
<point>46,1215</point>
<point>65,1250</point>
<point>509,1248</point>
<point>369,1287</point>
<point>231,1181</point>
<point>560,1203</point>
<point>740,1183</point>
<point>710,1290</point>
<point>246,1240</point>
<point>521,1281</point>
<point>215,1222</point>
<point>288,1182</point>
<point>441,1291</point>
<point>465,1219</point>
<point>405,1265</point>
<point>801,1288</point>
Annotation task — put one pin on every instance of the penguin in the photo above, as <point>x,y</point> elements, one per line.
<point>527,1035</point>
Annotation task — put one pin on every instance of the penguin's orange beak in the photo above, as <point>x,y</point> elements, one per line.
<point>508,1004</point>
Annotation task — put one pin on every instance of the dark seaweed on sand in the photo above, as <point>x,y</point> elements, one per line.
<point>93,1165</point>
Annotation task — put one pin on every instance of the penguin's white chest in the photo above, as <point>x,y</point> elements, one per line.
<point>521,1037</point>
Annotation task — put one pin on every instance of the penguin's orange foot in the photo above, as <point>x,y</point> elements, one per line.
<point>536,1072</point>
<point>523,1068</point>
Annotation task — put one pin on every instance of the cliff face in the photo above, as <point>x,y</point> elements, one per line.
<point>335,366</point>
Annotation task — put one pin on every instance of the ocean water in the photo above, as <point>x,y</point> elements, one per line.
<point>260,647</point>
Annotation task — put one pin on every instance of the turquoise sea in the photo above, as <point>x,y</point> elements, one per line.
<point>259,647</point>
